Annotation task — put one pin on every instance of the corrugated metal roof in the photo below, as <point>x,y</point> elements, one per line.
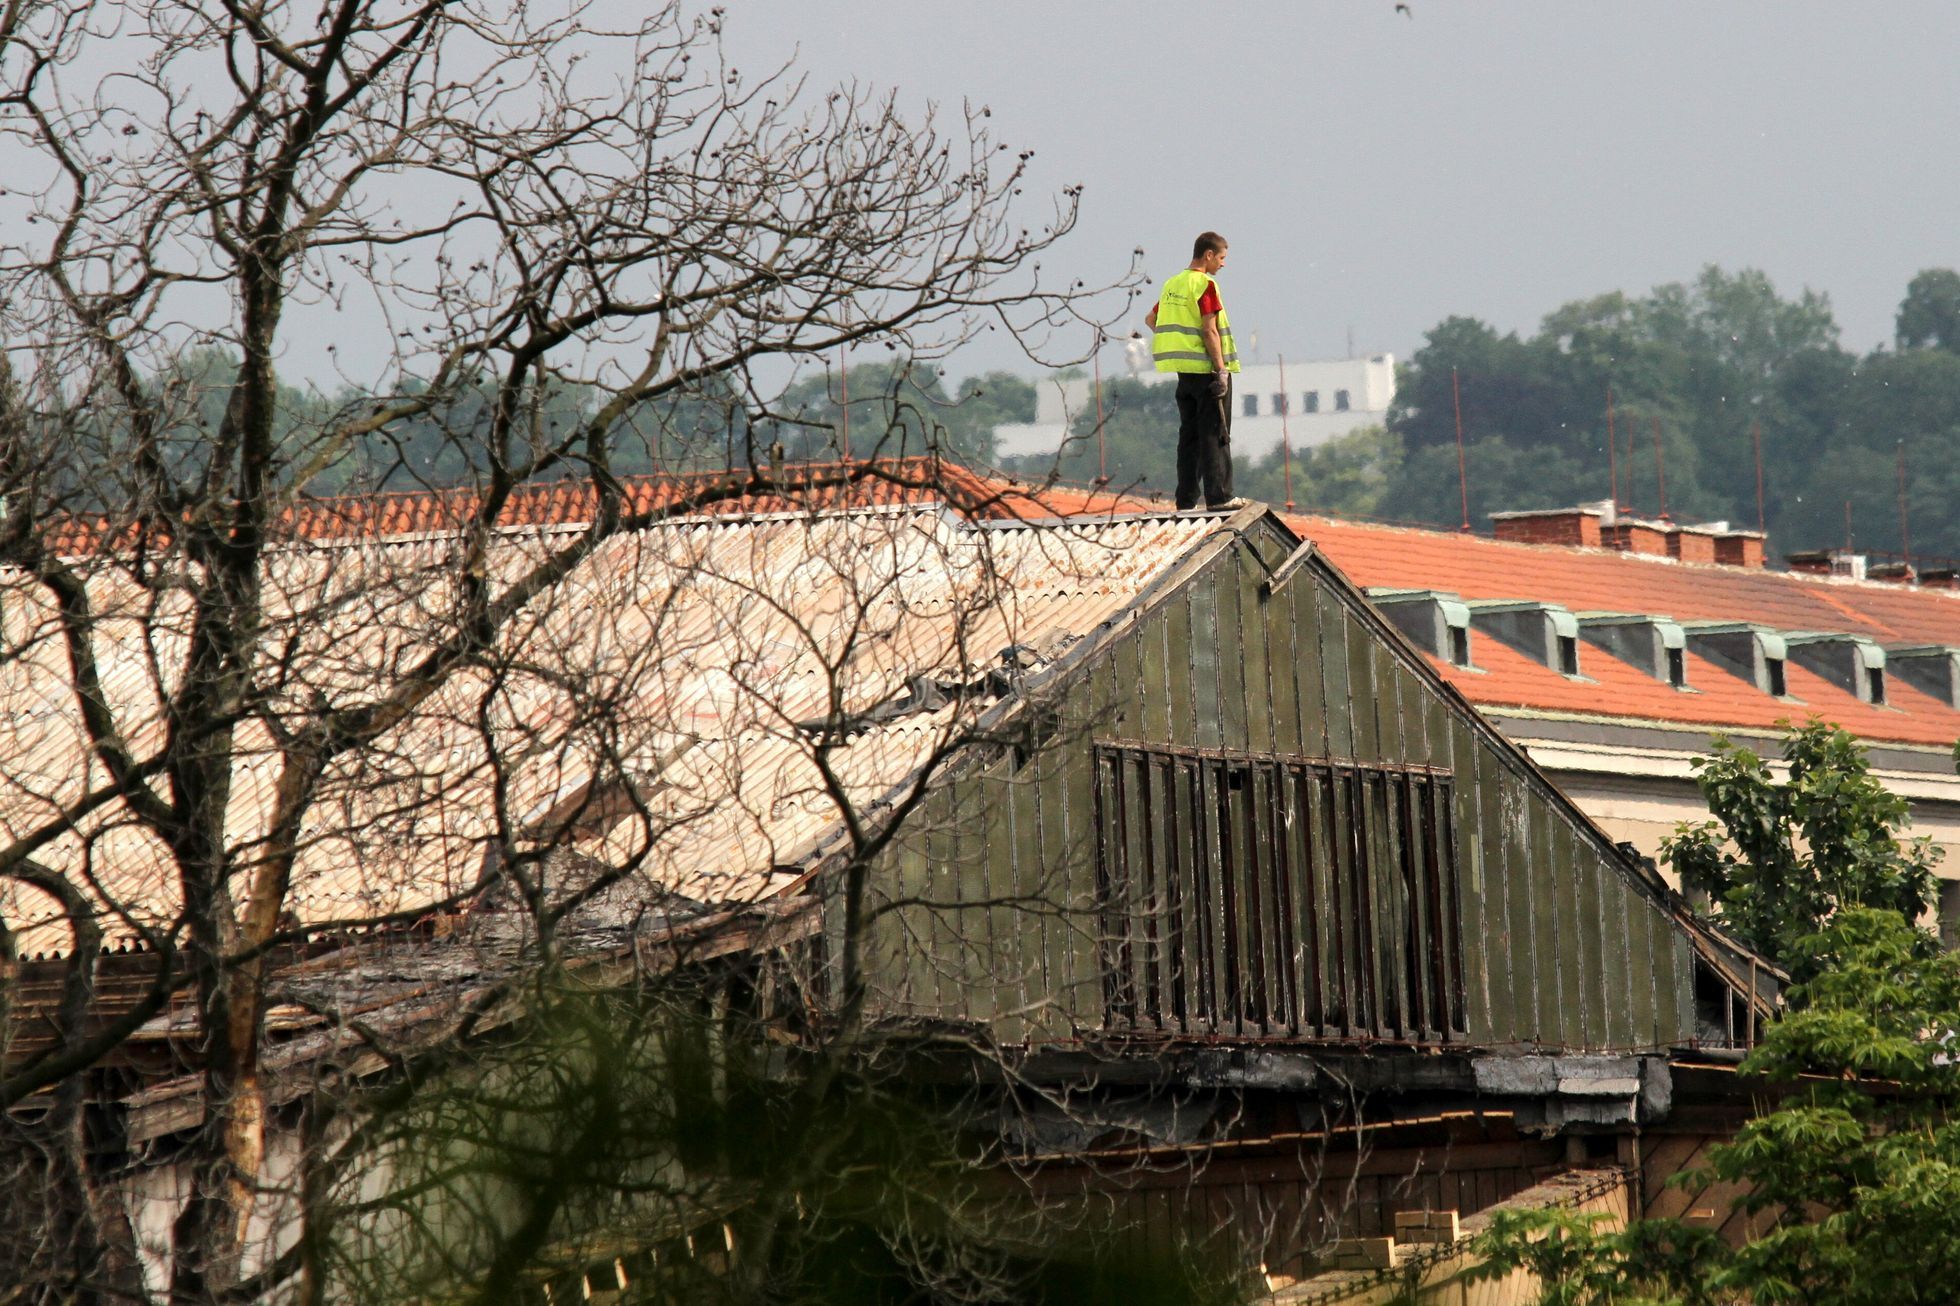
<point>682,661</point>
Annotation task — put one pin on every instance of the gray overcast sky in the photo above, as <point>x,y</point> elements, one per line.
<point>1379,172</point>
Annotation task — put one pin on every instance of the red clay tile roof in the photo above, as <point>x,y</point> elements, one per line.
<point>1599,580</point>
<point>801,487</point>
<point>1371,556</point>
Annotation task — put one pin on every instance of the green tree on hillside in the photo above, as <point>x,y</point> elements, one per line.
<point>1929,315</point>
<point>1709,363</point>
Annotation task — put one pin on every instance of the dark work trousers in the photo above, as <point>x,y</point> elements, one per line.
<point>1204,440</point>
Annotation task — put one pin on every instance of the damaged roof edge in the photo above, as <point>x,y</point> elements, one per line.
<point>827,848</point>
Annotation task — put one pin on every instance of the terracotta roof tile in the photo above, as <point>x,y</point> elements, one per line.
<point>1599,580</point>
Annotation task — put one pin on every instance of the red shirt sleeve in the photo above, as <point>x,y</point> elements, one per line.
<point>1209,302</point>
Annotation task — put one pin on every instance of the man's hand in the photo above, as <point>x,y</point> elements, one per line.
<point>1219,385</point>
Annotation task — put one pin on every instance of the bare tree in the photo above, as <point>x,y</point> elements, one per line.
<point>524,237</point>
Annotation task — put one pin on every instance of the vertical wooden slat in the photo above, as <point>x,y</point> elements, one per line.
<point>1157,700</point>
<point>1505,949</point>
<point>1396,937</point>
<point>1543,923</point>
<point>1570,947</point>
<point>1063,865</point>
<point>1306,916</point>
<point>1310,662</point>
<point>1231,850</point>
<point>1362,703</point>
<point>1253,869</point>
<point>1385,688</point>
<point>1613,907</point>
<point>1255,637</point>
<point>1184,708</point>
<point>1285,890</point>
<point>1154,803</point>
<point>1110,872</point>
<point>1205,896</point>
<point>1418,876</point>
<point>1337,900</point>
<point>1368,998</point>
<point>1177,891</point>
<point>1452,914</point>
<point>1206,656</point>
<point>1522,903</point>
<point>1339,699</point>
<point>1287,659</point>
<point>1590,885</point>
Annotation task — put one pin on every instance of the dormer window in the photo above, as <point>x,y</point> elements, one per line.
<point>1931,669</point>
<point>1677,668</point>
<point>1459,646</point>
<point>1438,622</point>
<point>1875,685</point>
<point>1568,655</point>
<point>1778,688</point>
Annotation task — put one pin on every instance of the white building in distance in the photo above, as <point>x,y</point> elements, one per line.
<point>1319,401</point>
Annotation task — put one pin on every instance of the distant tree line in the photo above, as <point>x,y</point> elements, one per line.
<point>1708,364</point>
<point>1696,367</point>
<point>895,408</point>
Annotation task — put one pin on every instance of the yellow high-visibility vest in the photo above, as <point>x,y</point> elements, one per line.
<point>1179,342</point>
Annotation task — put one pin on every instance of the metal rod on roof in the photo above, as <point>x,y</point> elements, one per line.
<point>1756,433</point>
<point>1285,432</point>
<point>1102,452</point>
<point>844,389</point>
<point>1660,466</point>
<point>1462,466</point>
<point>1905,533</point>
<point>1612,451</point>
<point>1633,428</point>
<point>1847,525</point>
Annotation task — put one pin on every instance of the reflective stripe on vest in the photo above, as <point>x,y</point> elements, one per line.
<point>1178,342</point>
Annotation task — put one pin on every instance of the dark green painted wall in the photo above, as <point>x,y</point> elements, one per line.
<point>1562,947</point>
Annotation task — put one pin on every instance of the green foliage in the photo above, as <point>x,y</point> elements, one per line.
<point>1856,1174</point>
<point>1139,441</point>
<point>1345,477</point>
<point>662,1127</point>
<point>1782,856</point>
<point>1708,362</point>
<point>1860,1166</point>
<point>1579,1259</point>
<point>1929,315</point>
<point>895,409</point>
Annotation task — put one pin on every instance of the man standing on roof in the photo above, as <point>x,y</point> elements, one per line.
<point>1192,336</point>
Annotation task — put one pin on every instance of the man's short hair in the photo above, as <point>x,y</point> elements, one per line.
<point>1208,242</point>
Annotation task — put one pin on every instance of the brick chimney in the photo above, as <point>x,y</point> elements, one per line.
<point>1600,526</point>
<point>1739,549</point>
<point>1694,543</point>
<point>1578,527</point>
<point>1632,535</point>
